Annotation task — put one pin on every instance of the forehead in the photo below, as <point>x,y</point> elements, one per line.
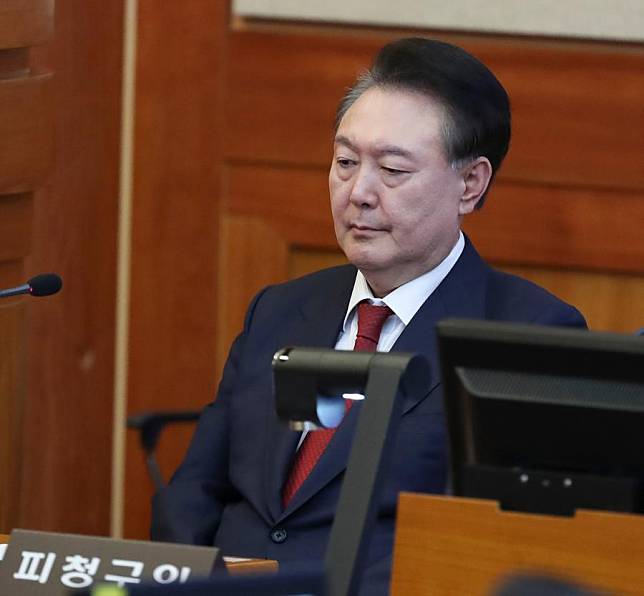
<point>389,117</point>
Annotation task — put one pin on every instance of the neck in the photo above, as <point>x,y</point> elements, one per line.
<point>378,292</point>
<point>384,281</point>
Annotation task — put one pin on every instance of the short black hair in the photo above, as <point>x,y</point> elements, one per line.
<point>477,108</point>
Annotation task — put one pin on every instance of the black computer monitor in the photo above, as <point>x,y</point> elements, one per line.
<point>544,419</point>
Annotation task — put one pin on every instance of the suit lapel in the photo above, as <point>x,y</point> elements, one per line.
<point>460,294</point>
<point>320,321</point>
<point>418,338</point>
<point>331,463</point>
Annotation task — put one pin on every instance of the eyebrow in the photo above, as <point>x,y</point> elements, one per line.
<point>383,150</point>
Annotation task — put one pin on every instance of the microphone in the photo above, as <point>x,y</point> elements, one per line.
<point>44,284</point>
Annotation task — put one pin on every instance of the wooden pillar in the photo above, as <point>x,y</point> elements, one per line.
<point>177,165</point>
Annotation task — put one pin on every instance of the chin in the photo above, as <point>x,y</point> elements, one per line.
<point>365,262</point>
<point>364,255</point>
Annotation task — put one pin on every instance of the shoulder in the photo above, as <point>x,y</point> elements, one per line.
<point>296,293</point>
<point>514,298</point>
<point>321,278</point>
<point>500,296</point>
<point>319,281</point>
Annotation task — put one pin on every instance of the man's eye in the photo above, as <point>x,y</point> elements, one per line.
<point>394,171</point>
<point>343,162</point>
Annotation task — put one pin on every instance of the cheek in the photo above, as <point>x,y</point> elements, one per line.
<point>338,208</point>
<point>338,195</point>
<point>337,176</point>
<point>413,209</point>
<point>421,217</point>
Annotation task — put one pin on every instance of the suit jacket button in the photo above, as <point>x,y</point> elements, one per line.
<point>279,535</point>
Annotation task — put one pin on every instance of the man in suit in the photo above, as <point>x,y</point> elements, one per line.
<point>418,141</point>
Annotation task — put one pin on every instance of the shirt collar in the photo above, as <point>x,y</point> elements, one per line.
<point>405,300</point>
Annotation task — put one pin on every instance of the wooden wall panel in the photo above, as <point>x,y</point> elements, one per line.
<point>304,260</point>
<point>16,214</point>
<point>14,62</point>
<point>26,145</point>
<point>294,200</point>
<point>26,23</point>
<point>68,410</point>
<point>578,109</point>
<point>283,91</point>
<point>243,239</point>
<point>609,301</point>
<point>11,388</point>
<point>438,539</point>
<point>26,136</point>
<point>173,310</point>
<point>12,379</point>
<point>587,228</point>
<point>578,115</point>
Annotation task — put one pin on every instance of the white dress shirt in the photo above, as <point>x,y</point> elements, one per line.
<point>404,301</point>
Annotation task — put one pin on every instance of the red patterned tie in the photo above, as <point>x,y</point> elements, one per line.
<point>370,321</point>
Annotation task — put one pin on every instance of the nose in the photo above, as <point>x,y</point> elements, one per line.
<point>364,191</point>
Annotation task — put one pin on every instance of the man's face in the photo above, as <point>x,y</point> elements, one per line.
<point>395,199</point>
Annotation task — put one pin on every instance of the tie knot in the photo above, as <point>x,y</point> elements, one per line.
<point>371,318</point>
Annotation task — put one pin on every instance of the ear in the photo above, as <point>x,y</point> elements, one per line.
<point>476,176</point>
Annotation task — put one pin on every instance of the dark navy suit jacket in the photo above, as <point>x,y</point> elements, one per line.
<point>227,491</point>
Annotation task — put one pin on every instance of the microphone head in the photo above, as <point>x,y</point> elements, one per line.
<point>45,284</point>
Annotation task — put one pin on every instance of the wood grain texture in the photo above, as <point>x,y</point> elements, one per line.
<point>11,394</point>
<point>578,109</point>
<point>16,213</point>
<point>592,229</point>
<point>25,22</point>
<point>173,316</point>
<point>14,63</point>
<point>12,380</point>
<point>26,143</point>
<point>282,94</point>
<point>465,546</point>
<point>577,112</point>
<point>248,566</point>
<point>26,132</point>
<point>243,272</point>
<point>68,410</point>
<point>303,260</point>
<point>294,200</point>
<point>11,274</point>
<point>609,301</point>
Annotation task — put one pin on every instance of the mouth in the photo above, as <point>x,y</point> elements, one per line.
<point>363,233</point>
<point>363,228</point>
